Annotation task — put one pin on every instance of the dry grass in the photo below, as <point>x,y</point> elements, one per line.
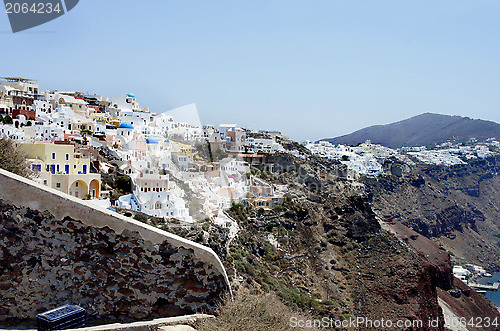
<point>251,312</point>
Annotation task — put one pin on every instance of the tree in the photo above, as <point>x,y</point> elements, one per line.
<point>7,119</point>
<point>123,184</point>
<point>12,159</point>
<point>219,155</point>
<point>203,150</point>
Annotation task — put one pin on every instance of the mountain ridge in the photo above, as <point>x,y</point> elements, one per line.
<point>421,130</point>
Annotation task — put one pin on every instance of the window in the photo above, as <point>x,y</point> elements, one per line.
<point>76,184</point>
<point>58,185</point>
<point>53,156</point>
<point>45,182</point>
<point>67,156</point>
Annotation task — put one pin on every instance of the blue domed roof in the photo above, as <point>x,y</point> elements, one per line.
<point>131,95</point>
<point>152,140</point>
<point>125,125</point>
<point>167,140</point>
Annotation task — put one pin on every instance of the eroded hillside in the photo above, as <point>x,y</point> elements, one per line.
<point>458,207</point>
<point>324,251</point>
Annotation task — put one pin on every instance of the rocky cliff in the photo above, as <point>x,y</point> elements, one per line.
<point>323,250</point>
<point>456,206</point>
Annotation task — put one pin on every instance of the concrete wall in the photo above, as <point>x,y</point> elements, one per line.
<point>56,249</point>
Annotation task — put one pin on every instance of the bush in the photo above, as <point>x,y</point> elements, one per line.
<point>87,132</point>
<point>218,155</point>
<point>7,119</point>
<point>174,221</point>
<point>140,217</point>
<point>251,312</point>
<point>124,184</point>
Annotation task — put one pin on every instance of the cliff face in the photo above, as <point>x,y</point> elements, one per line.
<point>324,251</point>
<point>457,206</point>
<point>435,256</point>
<point>335,263</point>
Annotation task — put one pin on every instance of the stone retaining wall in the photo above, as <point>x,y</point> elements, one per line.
<point>56,249</point>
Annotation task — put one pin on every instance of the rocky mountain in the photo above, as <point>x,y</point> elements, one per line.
<point>455,206</point>
<point>422,130</point>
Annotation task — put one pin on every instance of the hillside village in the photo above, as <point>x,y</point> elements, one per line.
<point>74,142</point>
<point>178,168</point>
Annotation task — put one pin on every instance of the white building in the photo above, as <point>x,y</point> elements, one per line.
<point>9,131</point>
<point>264,145</point>
<point>155,195</point>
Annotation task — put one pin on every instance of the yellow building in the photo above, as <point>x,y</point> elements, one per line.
<point>184,149</point>
<point>58,167</point>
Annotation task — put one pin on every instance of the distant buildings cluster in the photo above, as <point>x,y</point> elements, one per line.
<point>368,159</point>
<point>464,273</point>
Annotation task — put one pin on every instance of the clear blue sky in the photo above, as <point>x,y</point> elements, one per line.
<point>311,69</point>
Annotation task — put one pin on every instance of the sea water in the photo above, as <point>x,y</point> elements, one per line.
<point>493,296</point>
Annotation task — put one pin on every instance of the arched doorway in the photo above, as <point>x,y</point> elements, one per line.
<point>94,188</point>
<point>79,189</point>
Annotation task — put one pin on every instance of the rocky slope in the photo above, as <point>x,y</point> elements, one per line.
<point>323,250</point>
<point>457,206</point>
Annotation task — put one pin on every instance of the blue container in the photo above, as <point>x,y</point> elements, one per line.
<point>65,317</point>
